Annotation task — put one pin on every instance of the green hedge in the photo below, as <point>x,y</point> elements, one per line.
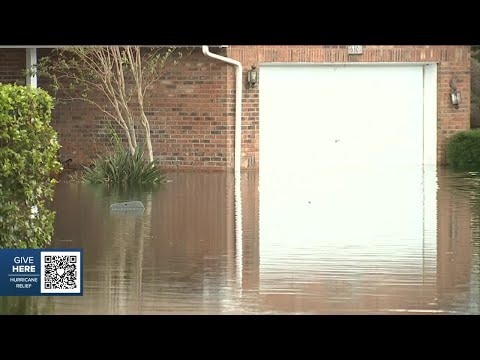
<point>463,150</point>
<point>28,159</point>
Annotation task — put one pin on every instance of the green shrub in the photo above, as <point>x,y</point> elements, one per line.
<point>123,168</point>
<point>28,159</point>
<point>463,150</point>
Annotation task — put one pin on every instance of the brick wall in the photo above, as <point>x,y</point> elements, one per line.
<point>453,61</point>
<point>12,64</point>
<point>191,110</point>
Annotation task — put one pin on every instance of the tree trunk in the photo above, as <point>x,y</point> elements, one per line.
<point>131,148</point>
<point>133,136</point>
<point>149,145</point>
<point>148,140</point>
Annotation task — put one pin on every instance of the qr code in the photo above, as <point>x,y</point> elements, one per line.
<point>60,272</point>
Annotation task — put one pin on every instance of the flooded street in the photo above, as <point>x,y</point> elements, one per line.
<point>347,241</point>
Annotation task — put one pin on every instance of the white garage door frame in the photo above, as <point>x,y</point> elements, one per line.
<point>429,98</point>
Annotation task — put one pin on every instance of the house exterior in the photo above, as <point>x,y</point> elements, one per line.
<point>311,104</point>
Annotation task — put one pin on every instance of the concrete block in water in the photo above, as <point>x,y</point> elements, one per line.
<point>127,206</point>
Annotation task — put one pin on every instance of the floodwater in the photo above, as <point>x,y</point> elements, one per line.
<point>347,241</point>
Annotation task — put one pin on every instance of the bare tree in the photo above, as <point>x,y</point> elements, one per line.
<point>115,79</point>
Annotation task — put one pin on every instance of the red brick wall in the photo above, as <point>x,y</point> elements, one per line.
<point>12,64</point>
<point>191,110</point>
<point>453,61</point>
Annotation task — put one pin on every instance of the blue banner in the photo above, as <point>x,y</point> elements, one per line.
<point>37,272</point>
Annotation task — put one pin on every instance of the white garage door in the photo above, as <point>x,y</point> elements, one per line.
<point>317,115</point>
<point>343,182</point>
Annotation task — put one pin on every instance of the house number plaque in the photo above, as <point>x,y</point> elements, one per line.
<point>355,49</point>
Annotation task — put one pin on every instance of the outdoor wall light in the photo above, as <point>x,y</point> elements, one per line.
<point>252,77</point>
<point>455,95</point>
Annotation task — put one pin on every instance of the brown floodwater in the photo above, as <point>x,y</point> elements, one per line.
<point>335,241</point>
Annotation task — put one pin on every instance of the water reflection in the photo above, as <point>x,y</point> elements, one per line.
<point>177,256</point>
<point>457,231</point>
<point>345,241</point>
<point>25,305</point>
<point>358,241</point>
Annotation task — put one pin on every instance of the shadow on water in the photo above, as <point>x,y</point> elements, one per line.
<point>348,241</point>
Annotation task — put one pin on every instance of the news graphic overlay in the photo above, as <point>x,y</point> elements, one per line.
<point>36,272</point>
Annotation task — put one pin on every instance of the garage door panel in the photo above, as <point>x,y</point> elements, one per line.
<point>341,114</point>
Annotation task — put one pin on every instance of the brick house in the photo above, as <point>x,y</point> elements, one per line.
<point>381,103</point>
